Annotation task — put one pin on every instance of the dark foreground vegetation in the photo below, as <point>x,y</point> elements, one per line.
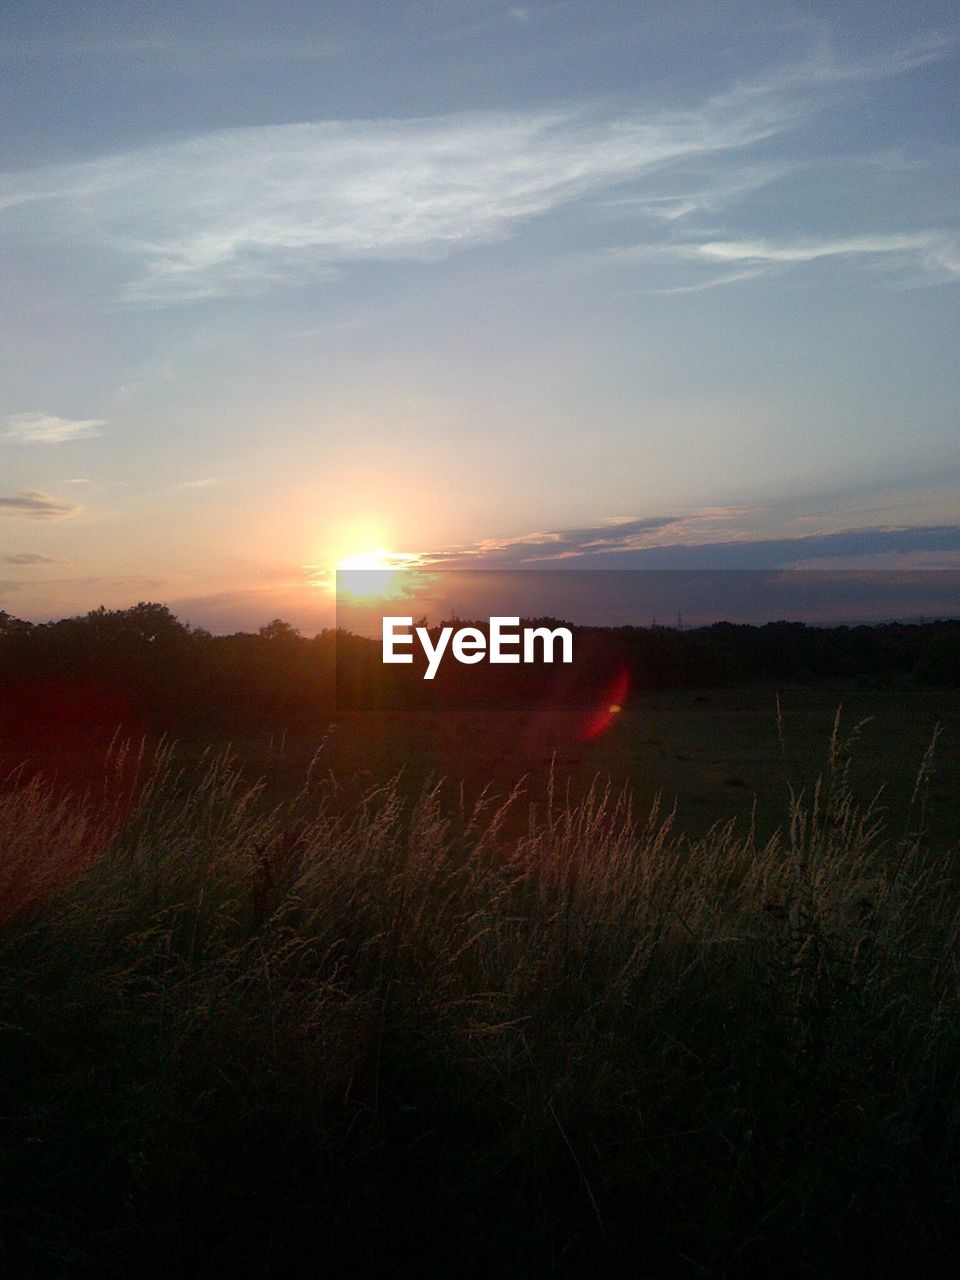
<point>535,1036</point>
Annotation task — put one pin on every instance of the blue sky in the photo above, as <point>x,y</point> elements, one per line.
<point>478,283</point>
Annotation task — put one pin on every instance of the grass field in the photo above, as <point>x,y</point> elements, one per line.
<point>327,1023</point>
<point>712,754</point>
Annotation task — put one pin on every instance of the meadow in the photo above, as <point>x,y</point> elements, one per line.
<point>335,1006</point>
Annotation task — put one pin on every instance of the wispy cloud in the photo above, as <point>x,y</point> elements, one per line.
<point>46,428</point>
<point>32,558</point>
<point>242,210</point>
<point>614,534</point>
<point>761,251</point>
<point>704,187</point>
<point>938,253</point>
<point>31,505</point>
<point>920,257</point>
<point>245,209</point>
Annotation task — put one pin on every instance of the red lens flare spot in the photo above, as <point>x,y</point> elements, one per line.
<point>610,706</point>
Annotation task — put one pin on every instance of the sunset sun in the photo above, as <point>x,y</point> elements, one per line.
<point>373,575</point>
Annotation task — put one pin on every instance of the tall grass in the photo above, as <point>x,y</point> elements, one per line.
<point>526,1036</point>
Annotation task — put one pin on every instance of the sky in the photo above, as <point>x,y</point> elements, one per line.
<point>474,284</point>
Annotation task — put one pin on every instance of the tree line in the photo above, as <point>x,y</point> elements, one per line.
<point>144,669</point>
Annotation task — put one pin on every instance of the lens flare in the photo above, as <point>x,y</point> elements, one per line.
<point>611,705</point>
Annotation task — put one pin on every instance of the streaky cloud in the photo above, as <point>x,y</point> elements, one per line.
<point>920,257</point>
<point>31,505</point>
<point>46,428</point>
<point>248,209</point>
<point>615,534</point>
<point>32,559</point>
<point>760,251</point>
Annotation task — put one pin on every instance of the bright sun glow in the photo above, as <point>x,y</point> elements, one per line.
<point>380,561</point>
<point>374,575</point>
